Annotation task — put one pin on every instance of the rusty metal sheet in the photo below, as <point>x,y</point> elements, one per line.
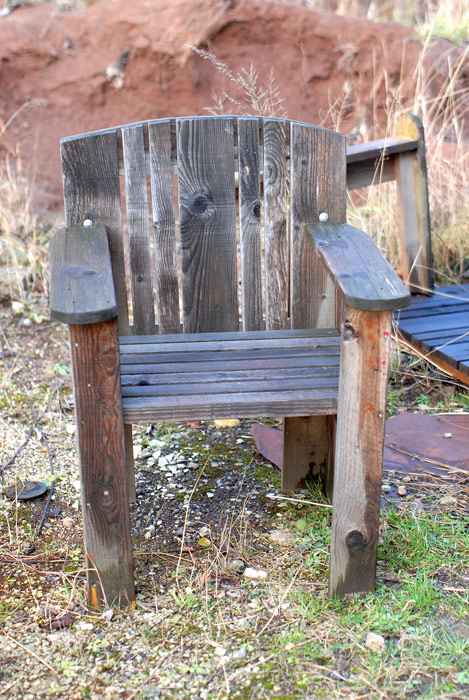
<point>414,443</point>
<point>431,444</point>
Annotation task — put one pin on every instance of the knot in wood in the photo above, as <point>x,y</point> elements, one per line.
<point>256,209</point>
<point>349,331</point>
<point>200,203</point>
<point>355,540</point>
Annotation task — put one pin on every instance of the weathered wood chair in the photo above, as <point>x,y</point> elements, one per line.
<point>276,352</point>
<point>437,320</point>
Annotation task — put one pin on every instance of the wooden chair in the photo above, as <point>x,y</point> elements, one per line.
<point>436,322</point>
<point>259,335</point>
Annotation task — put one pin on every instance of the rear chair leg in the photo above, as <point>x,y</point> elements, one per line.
<point>359,450</point>
<point>103,473</point>
<point>307,450</point>
<point>129,460</point>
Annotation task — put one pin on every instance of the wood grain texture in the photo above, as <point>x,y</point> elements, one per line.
<point>359,450</point>
<point>137,223</point>
<point>81,284</point>
<point>318,185</point>
<point>167,287</point>
<point>103,474</point>
<point>307,450</point>
<point>276,243</point>
<point>364,277</point>
<point>250,223</point>
<point>248,405</point>
<point>412,189</point>
<point>129,461</point>
<point>90,168</point>
<point>208,224</point>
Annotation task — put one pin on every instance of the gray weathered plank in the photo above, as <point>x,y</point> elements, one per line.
<point>359,450</point>
<point>81,284</point>
<point>320,335</point>
<point>138,228</point>
<point>208,224</point>
<point>275,225</point>
<point>90,167</point>
<point>232,386</point>
<point>247,405</point>
<point>167,288</point>
<point>250,223</point>
<point>103,473</point>
<point>414,233</point>
<point>364,277</point>
<point>241,344</point>
<point>206,374</point>
<point>318,186</point>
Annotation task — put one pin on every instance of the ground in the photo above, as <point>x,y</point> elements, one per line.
<point>204,514</point>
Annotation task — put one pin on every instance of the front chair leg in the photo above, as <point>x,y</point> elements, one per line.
<point>103,473</point>
<point>361,419</point>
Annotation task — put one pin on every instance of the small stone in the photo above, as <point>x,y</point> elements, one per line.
<point>226,422</point>
<point>220,651</point>
<point>86,626</point>
<point>255,574</point>
<point>70,428</point>
<point>401,491</point>
<point>385,488</point>
<point>376,643</point>
<point>282,537</point>
<point>68,522</point>
<point>447,435</point>
<point>236,565</point>
<point>407,479</point>
<point>447,501</point>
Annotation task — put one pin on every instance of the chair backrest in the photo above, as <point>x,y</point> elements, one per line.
<point>237,195</point>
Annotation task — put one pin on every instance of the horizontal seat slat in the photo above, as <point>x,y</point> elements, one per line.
<point>247,405</point>
<point>233,365</point>
<point>321,334</point>
<point>232,386</point>
<point>229,345</point>
<point>222,375</point>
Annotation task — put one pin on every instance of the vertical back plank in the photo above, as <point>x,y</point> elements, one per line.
<point>275,225</point>
<point>138,224</point>
<point>90,168</point>
<point>167,291</point>
<point>250,223</point>
<point>207,207</point>
<point>412,189</point>
<point>318,180</point>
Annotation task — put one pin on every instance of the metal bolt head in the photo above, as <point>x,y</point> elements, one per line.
<point>87,223</point>
<point>323,217</point>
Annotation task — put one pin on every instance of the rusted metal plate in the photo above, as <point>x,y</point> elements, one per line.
<point>431,444</point>
<point>414,443</point>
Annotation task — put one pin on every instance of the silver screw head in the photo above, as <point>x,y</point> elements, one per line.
<point>87,223</point>
<point>323,217</point>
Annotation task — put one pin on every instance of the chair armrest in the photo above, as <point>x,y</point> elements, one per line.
<point>81,283</point>
<point>361,273</point>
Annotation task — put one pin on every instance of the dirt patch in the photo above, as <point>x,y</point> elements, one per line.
<point>65,72</point>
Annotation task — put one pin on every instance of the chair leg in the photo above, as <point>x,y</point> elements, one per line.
<point>129,460</point>
<point>307,450</point>
<point>104,487</point>
<point>359,450</point>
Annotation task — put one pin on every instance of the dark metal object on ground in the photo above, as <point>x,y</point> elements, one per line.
<point>25,490</point>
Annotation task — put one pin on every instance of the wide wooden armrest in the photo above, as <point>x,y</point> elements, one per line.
<point>361,273</point>
<point>81,283</point>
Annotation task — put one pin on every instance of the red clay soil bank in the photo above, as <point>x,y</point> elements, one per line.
<point>112,63</point>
